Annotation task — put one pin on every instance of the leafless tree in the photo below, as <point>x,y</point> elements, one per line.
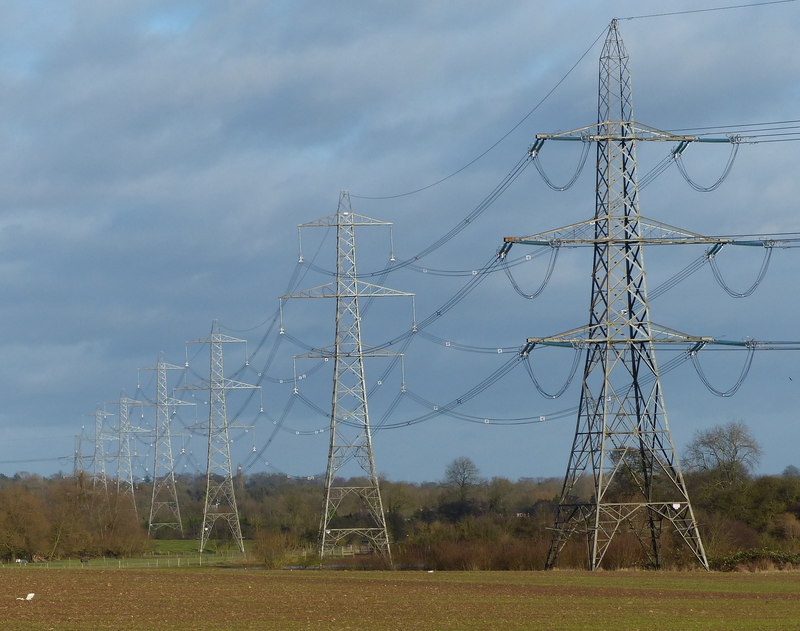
<point>461,475</point>
<point>729,451</point>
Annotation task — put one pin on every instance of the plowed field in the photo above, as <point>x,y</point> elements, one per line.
<point>232,600</point>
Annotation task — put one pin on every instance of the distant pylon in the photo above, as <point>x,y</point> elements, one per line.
<point>100,455</point>
<point>125,482</point>
<point>77,458</point>
<point>220,500</point>
<point>622,441</point>
<point>80,459</point>
<point>165,511</point>
<point>350,433</point>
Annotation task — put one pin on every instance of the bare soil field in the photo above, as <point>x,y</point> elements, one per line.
<point>89,599</point>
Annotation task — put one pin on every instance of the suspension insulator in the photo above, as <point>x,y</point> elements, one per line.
<point>679,149</point>
<point>535,147</point>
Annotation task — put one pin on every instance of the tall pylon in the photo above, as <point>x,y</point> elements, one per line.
<point>165,511</point>
<point>220,499</point>
<point>622,440</point>
<point>350,432</point>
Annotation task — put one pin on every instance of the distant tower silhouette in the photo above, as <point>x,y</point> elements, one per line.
<point>80,459</point>
<point>350,433</point>
<point>622,440</point>
<point>100,454</point>
<point>125,483</point>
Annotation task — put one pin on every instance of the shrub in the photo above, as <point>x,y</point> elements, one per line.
<point>275,549</point>
<point>753,560</point>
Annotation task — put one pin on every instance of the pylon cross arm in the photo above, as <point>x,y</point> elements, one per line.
<point>588,335</point>
<point>631,130</point>
<point>357,288</point>
<point>348,218</point>
<point>594,231</point>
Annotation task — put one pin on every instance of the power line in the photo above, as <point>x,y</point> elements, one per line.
<point>32,460</point>
<point>710,9</point>
<point>476,212</point>
<point>501,139</point>
<point>555,87</point>
<point>737,126</point>
<point>755,139</point>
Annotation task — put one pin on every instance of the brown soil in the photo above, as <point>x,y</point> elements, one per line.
<point>232,600</point>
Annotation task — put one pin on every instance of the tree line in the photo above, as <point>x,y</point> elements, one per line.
<point>462,521</point>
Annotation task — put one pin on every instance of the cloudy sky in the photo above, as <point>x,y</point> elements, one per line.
<point>157,157</point>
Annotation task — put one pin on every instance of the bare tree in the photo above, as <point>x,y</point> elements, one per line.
<point>461,475</point>
<point>730,451</point>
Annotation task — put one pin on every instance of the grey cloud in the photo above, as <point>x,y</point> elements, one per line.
<point>158,157</point>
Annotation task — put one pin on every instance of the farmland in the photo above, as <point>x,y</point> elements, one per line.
<point>96,599</point>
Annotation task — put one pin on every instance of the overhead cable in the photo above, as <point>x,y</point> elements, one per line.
<point>581,162</point>
<point>712,261</point>
<point>725,172</point>
<point>502,138</point>
<point>547,275</point>
<point>493,420</point>
<point>570,375</point>
<point>708,10</point>
<point>735,387</point>
<point>739,127</point>
<point>476,212</point>
<point>252,460</point>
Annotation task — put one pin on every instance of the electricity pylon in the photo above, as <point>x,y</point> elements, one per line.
<point>165,511</point>
<point>100,456</point>
<point>350,433</point>
<point>622,440</point>
<point>220,501</point>
<point>80,460</point>
<point>125,484</point>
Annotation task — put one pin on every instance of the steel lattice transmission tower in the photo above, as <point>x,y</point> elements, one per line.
<point>220,500</point>
<point>80,460</point>
<point>622,441</point>
<point>165,510</point>
<point>100,455</point>
<point>350,432</point>
<point>125,484</point>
